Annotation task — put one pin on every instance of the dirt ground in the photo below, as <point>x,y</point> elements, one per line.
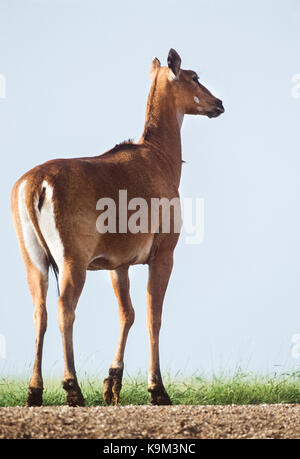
<point>252,421</point>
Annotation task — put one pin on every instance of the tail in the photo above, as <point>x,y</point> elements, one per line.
<point>34,202</point>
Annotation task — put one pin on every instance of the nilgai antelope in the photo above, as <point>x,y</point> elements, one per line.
<point>54,208</point>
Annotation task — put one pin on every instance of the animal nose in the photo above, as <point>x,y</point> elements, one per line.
<point>219,106</point>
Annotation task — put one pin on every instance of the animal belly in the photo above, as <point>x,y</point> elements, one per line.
<point>121,250</point>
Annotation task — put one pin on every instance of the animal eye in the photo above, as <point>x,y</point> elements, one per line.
<point>195,79</point>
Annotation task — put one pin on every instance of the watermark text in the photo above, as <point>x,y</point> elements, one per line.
<point>154,215</point>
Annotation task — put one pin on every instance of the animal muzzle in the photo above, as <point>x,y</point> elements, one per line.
<point>217,110</point>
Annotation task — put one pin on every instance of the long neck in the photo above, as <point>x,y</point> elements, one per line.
<point>162,129</point>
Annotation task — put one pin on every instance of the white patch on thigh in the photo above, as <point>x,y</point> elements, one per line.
<point>47,224</point>
<point>32,243</point>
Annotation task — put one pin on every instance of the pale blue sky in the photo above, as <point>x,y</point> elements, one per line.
<point>77,78</point>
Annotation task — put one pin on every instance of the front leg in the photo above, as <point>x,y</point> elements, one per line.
<point>159,273</point>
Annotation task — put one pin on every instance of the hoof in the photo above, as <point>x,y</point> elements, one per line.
<point>107,390</point>
<point>112,386</point>
<point>159,396</point>
<point>111,390</point>
<point>34,396</point>
<point>74,395</point>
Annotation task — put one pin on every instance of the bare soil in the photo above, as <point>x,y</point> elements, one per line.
<point>159,422</point>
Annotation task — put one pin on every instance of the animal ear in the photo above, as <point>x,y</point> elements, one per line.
<point>154,67</point>
<point>174,61</point>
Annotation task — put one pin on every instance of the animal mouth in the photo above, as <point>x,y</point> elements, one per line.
<point>216,112</point>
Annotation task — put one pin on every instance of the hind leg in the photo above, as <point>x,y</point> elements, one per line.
<point>113,384</point>
<point>38,284</point>
<point>72,278</point>
<point>37,268</point>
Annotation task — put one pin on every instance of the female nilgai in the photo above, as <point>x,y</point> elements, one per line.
<point>54,213</point>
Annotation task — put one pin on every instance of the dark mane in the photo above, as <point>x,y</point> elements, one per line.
<point>125,145</point>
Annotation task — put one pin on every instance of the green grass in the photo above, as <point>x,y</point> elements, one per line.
<point>240,389</point>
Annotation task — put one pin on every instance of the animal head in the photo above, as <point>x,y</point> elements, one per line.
<point>191,97</point>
